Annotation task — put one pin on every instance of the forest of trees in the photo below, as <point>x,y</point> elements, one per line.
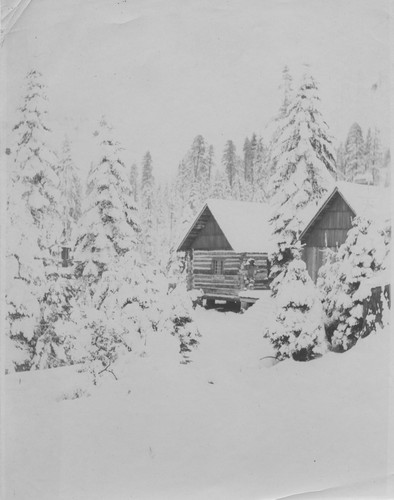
<point>120,230</point>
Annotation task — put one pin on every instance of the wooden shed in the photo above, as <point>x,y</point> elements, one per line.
<point>330,222</point>
<point>227,249</point>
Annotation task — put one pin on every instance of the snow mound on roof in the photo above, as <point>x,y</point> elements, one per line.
<point>245,224</point>
<point>372,202</point>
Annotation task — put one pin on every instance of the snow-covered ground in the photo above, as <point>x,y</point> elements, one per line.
<point>227,426</point>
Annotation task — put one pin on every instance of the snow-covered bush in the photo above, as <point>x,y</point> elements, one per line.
<point>297,330</point>
<point>346,281</point>
<point>56,342</point>
<point>178,320</point>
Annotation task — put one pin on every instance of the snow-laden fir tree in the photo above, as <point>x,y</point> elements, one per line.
<point>297,331</point>
<point>108,228</point>
<point>177,320</point>
<point>148,208</point>
<point>305,167</point>
<point>106,250</point>
<point>134,180</point>
<point>70,190</point>
<point>374,157</point>
<point>194,174</point>
<point>58,343</point>
<point>354,153</point>
<point>387,168</point>
<point>346,280</point>
<point>229,161</point>
<point>35,164</point>
<point>221,189</point>
<point>25,277</point>
<point>279,121</point>
<point>36,227</point>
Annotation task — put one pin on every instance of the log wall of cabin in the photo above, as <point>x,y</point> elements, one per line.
<point>329,230</point>
<point>231,281</point>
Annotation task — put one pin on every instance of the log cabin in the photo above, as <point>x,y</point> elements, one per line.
<point>226,235</point>
<point>227,249</point>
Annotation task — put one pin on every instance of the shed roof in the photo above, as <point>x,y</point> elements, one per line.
<point>372,202</point>
<point>244,224</point>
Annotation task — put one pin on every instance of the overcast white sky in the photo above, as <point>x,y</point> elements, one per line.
<point>164,71</point>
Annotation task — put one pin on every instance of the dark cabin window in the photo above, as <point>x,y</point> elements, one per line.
<point>217,266</point>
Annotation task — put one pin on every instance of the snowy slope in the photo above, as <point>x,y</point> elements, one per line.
<point>222,427</point>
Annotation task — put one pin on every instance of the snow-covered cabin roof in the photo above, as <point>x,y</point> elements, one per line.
<point>372,202</point>
<point>244,224</point>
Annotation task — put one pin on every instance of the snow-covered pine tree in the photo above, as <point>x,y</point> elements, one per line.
<point>297,330</point>
<point>248,160</point>
<point>177,320</point>
<point>108,228</point>
<point>340,162</point>
<point>261,171</point>
<point>57,342</point>
<point>147,179</point>
<point>221,187</point>
<point>24,278</point>
<point>387,168</point>
<point>210,162</point>
<point>106,254</point>
<point>374,157</point>
<point>345,282</point>
<point>70,190</point>
<point>229,161</point>
<point>35,165</point>
<point>354,153</point>
<point>35,185</point>
<point>287,89</point>
<point>279,121</point>
<point>305,167</point>
<point>134,180</point>
<point>148,209</point>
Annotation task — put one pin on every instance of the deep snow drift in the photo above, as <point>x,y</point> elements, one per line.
<point>226,426</point>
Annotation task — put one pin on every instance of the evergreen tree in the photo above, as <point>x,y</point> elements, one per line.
<point>134,181</point>
<point>354,153</point>
<point>345,282</point>
<point>148,209</point>
<point>229,161</point>
<point>35,165</point>
<point>210,162</point>
<point>287,89</point>
<point>147,181</point>
<point>375,158</point>
<point>297,330</point>
<point>56,342</point>
<point>36,225</point>
<point>24,278</point>
<point>280,119</point>
<point>248,160</point>
<point>304,170</point>
<point>70,190</point>
<point>221,187</point>
<point>108,228</point>
<point>261,172</point>
<point>197,157</point>
<point>340,162</point>
<point>387,168</point>
<point>194,173</point>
